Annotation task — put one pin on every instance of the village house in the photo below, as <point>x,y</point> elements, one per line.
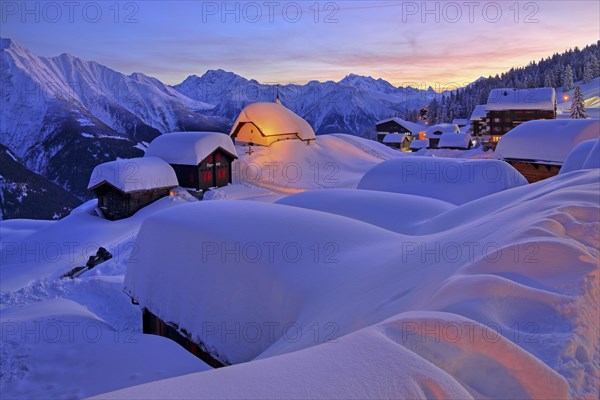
<point>538,149</point>
<point>201,160</point>
<point>478,120</point>
<point>508,108</point>
<point>125,186</point>
<point>397,126</point>
<point>455,141</point>
<point>434,133</point>
<point>266,123</point>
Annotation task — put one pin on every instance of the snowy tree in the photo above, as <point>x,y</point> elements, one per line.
<point>549,79</point>
<point>568,78</point>
<point>590,68</point>
<point>577,108</point>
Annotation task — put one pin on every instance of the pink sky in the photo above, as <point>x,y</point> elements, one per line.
<point>418,43</point>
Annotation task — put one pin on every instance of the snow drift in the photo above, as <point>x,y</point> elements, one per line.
<point>451,180</point>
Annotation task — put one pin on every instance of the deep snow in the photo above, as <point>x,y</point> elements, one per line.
<point>495,295</point>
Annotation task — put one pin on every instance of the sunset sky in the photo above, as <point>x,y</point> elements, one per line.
<point>279,42</point>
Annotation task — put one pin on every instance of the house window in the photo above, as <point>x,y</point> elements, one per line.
<point>496,119</point>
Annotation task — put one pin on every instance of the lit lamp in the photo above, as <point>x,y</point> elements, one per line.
<point>566,97</point>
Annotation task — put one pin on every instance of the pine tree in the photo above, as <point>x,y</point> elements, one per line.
<point>568,78</point>
<point>549,79</point>
<point>577,108</point>
<point>590,68</point>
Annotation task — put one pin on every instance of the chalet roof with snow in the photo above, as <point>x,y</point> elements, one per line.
<point>419,144</point>
<point>546,141</point>
<point>455,141</point>
<point>413,127</point>
<point>460,121</point>
<point>436,130</point>
<point>189,148</point>
<point>394,138</point>
<point>134,174</point>
<point>479,113</point>
<point>521,99</point>
<point>274,119</point>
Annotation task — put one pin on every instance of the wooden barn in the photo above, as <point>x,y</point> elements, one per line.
<point>152,325</point>
<point>263,124</point>
<point>397,140</point>
<point>508,108</point>
<point>538,149</point>
<point>435,132</point>
<point>478,120</point>
<point>397,125</point>
<point>125,186</point>
<point>201,160</point>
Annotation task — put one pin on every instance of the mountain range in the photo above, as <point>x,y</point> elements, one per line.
<point>61,116</point>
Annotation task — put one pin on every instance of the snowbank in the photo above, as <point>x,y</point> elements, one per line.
<point>377,208</point>
<point>207,276</point>
<point>455,181</point>
<point>547,141</point>
<point>521,99</point>
<point>478,309</point>
<point>274,119</point>
<point>455,141</point>
<point>134,174</point>
<point>189,148</point>
<point>59,349</point>
<point>578,156</point>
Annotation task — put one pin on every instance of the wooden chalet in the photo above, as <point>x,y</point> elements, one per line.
<point>201,160</point>
<point>399,126</point>
<point>508,108</point>
<point>125,186</point>
<point>478,120</point>
<point>435,132</point>
<point>538,149</point>
<point>263,124</point>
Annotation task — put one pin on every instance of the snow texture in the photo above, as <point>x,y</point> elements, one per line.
<point>521,99</point>
<point>189,148</point>
<point>546,140</point>
<point>451,180</point>
<point>455,141</point>
<point>578,156</point>
<point>130,175</point>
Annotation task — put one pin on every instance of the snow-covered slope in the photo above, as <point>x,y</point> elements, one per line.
<point>351,105</point>
<point>477,309</point>
<point>409,297</point>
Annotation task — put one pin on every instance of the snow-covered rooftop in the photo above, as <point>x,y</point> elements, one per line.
<point>455,140</point>
<point>419,144</point>
<point>413,127</point>
<point>436,130</point>
<point>275,119</point>
<point>479,113</point>
<point>546,140</point>
<point>189,148</point>
<point>521,99</point>
<point>130,175</point>
<point>581,157</point>
<point>394,138</point>
<point>455,181</point>
<point>460,121</point>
